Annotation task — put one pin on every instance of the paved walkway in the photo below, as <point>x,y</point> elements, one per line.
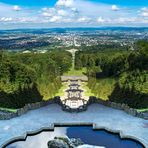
<point>73,51</point>
<point>98,115</point>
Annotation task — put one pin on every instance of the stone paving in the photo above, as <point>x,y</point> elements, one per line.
<point>98,115</point>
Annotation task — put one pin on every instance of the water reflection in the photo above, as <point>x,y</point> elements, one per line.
<point>40,140</point>
<point>85,133</point>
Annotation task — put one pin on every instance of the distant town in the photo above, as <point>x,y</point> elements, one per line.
<point>33,39</point>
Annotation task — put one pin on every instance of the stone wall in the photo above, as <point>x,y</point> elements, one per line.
<point>57,100</point>
<point>114,105</point>
<point>8,115</point>
<point>119,106</point>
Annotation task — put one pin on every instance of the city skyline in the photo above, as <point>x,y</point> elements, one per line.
<point>72,13</point>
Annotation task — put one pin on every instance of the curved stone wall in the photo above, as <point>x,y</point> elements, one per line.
<point>119,106</point>
<point>8,115</point>
<point>94,127</point>
<point>114,105</point>
<point>57,100</point>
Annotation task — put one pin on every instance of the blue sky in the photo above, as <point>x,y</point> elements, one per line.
<point>30,3</point>
<point>52,2</point>
<point>72,13</point>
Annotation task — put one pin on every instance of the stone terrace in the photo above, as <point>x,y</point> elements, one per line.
<point>98,115</point>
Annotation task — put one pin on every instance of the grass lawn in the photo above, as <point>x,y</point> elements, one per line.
<point>61,90</point>
<point>142,110</point>
<point>103,87</point>
<point>8,109</point>
<point>47,91</point>
<point>88,91</point>
<point>73,72</point>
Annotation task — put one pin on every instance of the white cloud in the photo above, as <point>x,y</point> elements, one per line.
<point>84,19</point>
<point>130,20</point>
<point>62,12</point>
<point>65,3</point>
<point>144,9</point>
<point>74,9</point>
<point>74,12</point>
<point>55,13</point>
<point>48,12</point>
<point>6,19</point>
<point>145,14</point>
<point>68,20</point>
<point>16,8</point>
<point>125,20</point>
<point>100,20</point>
<point>44,9</point>
<point>55,19</point>
<point>19,20</point>
<point>114,8</point>
<point>51,12</point>
<point>27,19</point>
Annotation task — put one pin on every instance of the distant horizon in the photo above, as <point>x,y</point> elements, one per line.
<point>99,27</point>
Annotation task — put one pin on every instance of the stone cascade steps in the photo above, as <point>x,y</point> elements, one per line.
<point>74,103</point>
<point>73,95</point>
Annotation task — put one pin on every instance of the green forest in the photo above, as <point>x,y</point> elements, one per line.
<point>117,75</point>
<point>31,77</point>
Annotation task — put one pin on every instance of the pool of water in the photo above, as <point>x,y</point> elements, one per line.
<point>85,133</point>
